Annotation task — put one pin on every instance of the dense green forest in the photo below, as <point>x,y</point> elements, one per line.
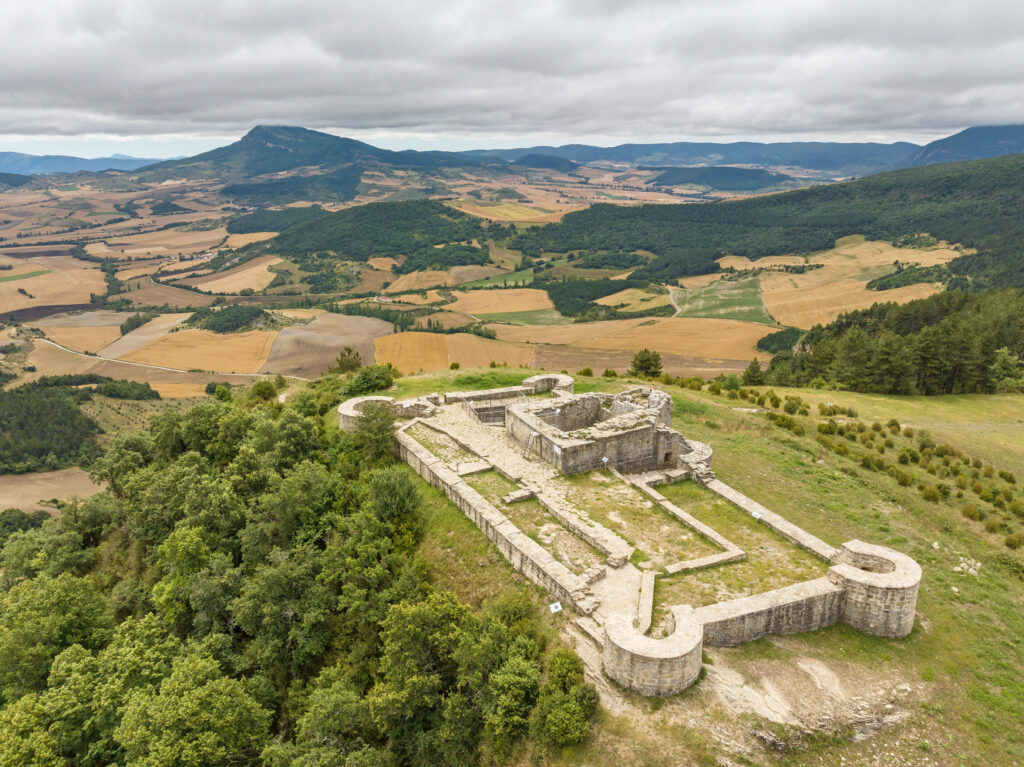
<point>376,229</point>
<point>229,319</point>
<point>337,185</point>
<point>443,258</point>
<point>726,178</point>
<point>273,220</point>
<point>42,426</point>
<point>976,204</point>
<point>911,274</point>
<point>573,298</point>
<point>166,208</point>
<point>249,590</point>
<point>949,343</point>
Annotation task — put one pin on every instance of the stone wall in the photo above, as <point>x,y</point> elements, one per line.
<point>801,607</point>
<point>350,410</point>
<point>882,599</point>
<point>657,667</point>
<point>525,555</point>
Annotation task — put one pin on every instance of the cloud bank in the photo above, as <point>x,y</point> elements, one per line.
<point>485,72</point>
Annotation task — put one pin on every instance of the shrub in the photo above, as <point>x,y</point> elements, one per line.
<point>586,372</point>
<point>1007,476</point>
<point>908,433</point>
<point>731,383</point>
<point>970,511</point>
<point>454,366</point>
<point>263,389</point>
<point>989,472</point>
<point>893,425</point>
<point>715,388</point>
<point>1017,508</point>
<point>992,525</point>
<point>1013,540</point>
<point>646,363</point>
<point>609,373</point>
<point>876,426</point>
<point>930,493</point>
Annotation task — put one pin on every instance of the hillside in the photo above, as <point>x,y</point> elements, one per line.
<point>976,204</point>
<point>838,158</point>
<point>971,144</point>
<point>30,164</point>
<point>546,162</point>
<point>278,148</point>
<point>13,180</point>
<point>726,178</point>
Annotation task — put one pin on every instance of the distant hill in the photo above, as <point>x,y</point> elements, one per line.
<point>838,158</point>
<point>547,162</point>
<point>725,178</point>
<point>13,180</point>
<point>30,164</point>
<point>971,144</point>
<point>976,204</point>
<point>279,148</point>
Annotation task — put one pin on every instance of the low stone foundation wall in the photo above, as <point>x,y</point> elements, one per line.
<point>525,555</point>
<point>350,410</point>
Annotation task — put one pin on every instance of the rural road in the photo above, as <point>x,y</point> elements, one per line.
<point>160,367</point>
<point>672,296</point>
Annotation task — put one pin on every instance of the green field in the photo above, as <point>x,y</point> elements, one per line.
<point>24,276</point>
<point>534,317</point>
<point>724,299</point>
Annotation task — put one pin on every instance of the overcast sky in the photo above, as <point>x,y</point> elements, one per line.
<point>160,78</point>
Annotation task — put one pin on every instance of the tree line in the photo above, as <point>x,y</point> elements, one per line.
<point>949,343</point>
<point>975,204</point>
<point>250,589</point>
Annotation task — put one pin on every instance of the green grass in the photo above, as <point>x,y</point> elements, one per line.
<point>725,299</point>
<point>24,276</point>
<point>511,279</point>
<point>771,561</point>
<point>534,317</point>
<point>964,657</point>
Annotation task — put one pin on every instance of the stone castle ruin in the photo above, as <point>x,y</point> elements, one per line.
<point>535,437</point>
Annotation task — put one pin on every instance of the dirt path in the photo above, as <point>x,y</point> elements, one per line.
<point>674,299</point>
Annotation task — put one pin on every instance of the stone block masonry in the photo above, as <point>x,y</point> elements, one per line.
<point>871,588</point>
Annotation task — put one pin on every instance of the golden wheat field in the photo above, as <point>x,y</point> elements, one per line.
<point>84,339</point>
<point>821,295</point>
<point>412,352</point>
<point>67,282</point>
<point>240,240</point>
<point>499,301</point>
<point>203,350</point>
<point>445,319</point>
<point>698,281</point>
<point>24,491</point>
<point>634,300</point>
<point>252,275</point>
<point>711,339</point>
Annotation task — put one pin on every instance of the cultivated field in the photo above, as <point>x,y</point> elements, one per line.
<point>308,350</point>
<point>634,300</point>
<point>163,242</point>
<point>432,279</point>
<point>494,301</point>
<point>193,349</point>
<point>414,351</point>
<point>83,331</point>
<point>821,295</point>
<point>252,275</point>
<point>63,281</point>
<point>24,491</point>
<point>149,293</point>
<point>143,336</point>
<point>240,240</point>
<point>445,319</point>
<point>725,299</point>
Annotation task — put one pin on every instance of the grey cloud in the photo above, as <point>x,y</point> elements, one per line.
<point>576,68</point>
